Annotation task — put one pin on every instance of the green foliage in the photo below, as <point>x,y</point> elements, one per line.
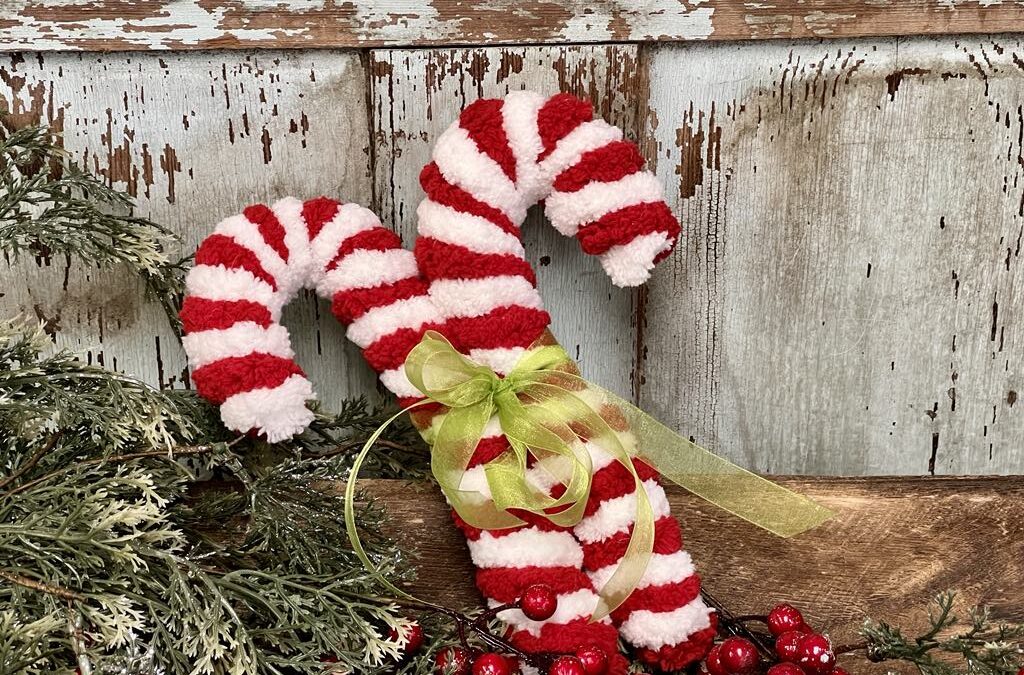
<point>951,646</point>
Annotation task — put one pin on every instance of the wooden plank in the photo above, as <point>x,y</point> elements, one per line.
<point>847,298</point>
<point>415,95</point>
<point>894,543</point>
<point>195,137</point>
<point>97,25</point>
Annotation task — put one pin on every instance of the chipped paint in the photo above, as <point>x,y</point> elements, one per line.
<point>45,25</point>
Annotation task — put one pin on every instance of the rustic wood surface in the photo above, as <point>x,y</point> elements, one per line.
<point>847,298</point>
<point>894,543</point>
<point>104,25</point>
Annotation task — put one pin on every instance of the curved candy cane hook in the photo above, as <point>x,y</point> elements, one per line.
<point>488,168</point>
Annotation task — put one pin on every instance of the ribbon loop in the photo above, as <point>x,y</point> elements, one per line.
<point>553,419</point>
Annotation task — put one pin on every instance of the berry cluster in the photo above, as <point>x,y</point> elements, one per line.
<point>538,603</point>
<point>799,650</point>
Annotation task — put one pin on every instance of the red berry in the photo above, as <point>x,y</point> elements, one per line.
<point>594,660</point>
<point>539,602</point>
<point>491,664</point>
<point>713,661</point>
<point>816,655</point>
<point>567,665</point>
<point>787,646</point>
<point>786,669</point>
<point>784,618</point>
<point>452,661</point>
<point>739,656</point>
<point>413,638</point>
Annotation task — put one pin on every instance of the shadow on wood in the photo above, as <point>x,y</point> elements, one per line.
<point>895,543</point>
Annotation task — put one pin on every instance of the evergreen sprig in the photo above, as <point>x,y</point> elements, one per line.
<point>951,646</point>
<point>49,205</point>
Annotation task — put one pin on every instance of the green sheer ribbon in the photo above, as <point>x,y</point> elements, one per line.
<point>553,415</point>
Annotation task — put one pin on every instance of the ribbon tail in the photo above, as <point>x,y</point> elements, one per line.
<point>350,510</point>
<point>717,480</point>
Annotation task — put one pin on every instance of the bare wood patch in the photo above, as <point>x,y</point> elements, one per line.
<point>846,295</point>
<point>101,25</point>
<point>893,544</point>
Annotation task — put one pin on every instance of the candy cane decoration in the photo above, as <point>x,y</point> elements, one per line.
<point>245,272</point>
<point>488,168</point>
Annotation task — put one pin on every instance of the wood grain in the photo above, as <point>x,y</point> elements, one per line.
<point>103,25</point>
<point>848,294</point>
<point>415,95</point>
<point>194,137</point>
<point>894,543</point>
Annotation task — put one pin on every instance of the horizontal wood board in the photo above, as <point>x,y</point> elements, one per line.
<point>894,543</point>
<point>106,25</point>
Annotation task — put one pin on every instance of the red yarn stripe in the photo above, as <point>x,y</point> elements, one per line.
<point>202,314</point>
<point>507,584</point>
<point>374,239</point>
<point>270,229</point>
<point>511,326</point>
<point>484,122</point>
<point>667,540</point>
<point>351,304</point>
<point>604,165</point>
<point>218,249</point>
<point>625,225</point>
<point>441,260</point>
<point>222,379</point>
<point>614,481</point>
<point>558,116</point>
<point>390,350</point>
<point>678,657</point>
<point>317,213</point>
<point>569,637</point>
<point>665,598</point>
<point>441,191</point>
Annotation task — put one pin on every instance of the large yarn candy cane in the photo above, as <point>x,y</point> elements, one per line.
<point>498,159</point>
<point>245,272</point>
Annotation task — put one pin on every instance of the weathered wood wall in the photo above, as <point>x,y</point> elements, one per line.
<point>846,296</point>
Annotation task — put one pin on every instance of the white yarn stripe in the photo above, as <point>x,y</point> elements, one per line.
<point>350,219</point>
<point>246,235</point>
<point>245,337</point>
<point>501,360</point>
<point>568,211</point>
<point>662,569</point>
<point>617,514</point>
<point>296,237</point>
<point>279,412</point>
<point>475,480</point>
<point>571,606</point>
<point>382,321</point>
<point>398,384</point>
<point>630,264</point>
<point>465,229</point>
<point>654,630</point>
<point>216,282</point>
<point>368,269</point>
<point>476,297</point>
<point>463,164</point>
<point>528,547</point>
<point>586,137</point>
<point>519,117</point>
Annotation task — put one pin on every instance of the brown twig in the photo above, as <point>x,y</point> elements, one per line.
<point>44,449</point>
<point>735,626</point>
<point>25,582</point>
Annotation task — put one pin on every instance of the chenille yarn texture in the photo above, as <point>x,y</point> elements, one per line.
<point>477,289</point>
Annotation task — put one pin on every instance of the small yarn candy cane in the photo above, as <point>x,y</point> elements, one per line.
<point>488,168</point>
<point>252,265</point>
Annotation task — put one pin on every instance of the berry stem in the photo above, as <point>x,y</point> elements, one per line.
<point>744,618</point>
<point>845,649</point>
<point>732,625</point>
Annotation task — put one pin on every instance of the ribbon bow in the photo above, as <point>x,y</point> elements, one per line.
<point>553,420</point>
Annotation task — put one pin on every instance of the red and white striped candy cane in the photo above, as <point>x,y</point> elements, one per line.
<point>489,167</point>
<point>245,272</point>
